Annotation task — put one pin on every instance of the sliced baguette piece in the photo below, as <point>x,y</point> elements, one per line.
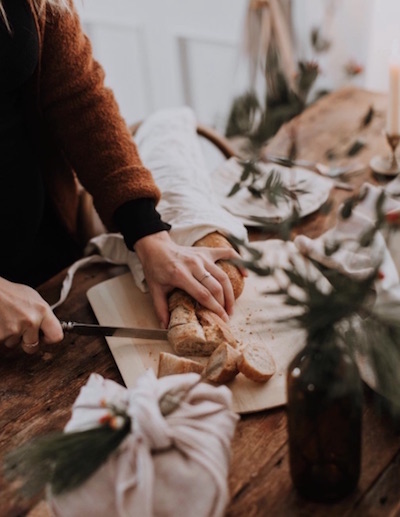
<point>222,364</point>
<point>189,339</point>
<point>256,363</point>
<point>170,364</point>
<point>185,333</point>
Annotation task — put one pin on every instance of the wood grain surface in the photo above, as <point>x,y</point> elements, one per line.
<point>36,392</point>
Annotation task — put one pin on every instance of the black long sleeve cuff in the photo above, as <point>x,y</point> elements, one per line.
<point>138,218</point>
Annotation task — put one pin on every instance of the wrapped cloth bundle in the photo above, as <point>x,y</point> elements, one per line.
<point>173,465</point>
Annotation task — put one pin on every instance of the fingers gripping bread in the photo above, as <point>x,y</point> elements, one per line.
<point>194,330</point>
<point>217,240</point>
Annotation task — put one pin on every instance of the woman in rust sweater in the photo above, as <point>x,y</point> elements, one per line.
<point>58,125</point>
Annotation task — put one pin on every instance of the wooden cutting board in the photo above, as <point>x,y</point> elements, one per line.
<point>119,302</point>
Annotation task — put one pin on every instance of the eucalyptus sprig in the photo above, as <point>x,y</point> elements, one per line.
<point>273,189</point>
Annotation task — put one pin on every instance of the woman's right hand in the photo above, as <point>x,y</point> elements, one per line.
<point>25,318</point>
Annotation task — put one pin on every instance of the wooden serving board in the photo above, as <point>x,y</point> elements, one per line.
<point>119,302</point>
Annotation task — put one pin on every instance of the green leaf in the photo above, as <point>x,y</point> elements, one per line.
<point>254,192</point>
<point>234,190</point>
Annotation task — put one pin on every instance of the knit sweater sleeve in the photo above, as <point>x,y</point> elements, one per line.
<point>84,117</point>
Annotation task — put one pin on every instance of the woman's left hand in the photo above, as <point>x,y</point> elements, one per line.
<point>167,265</point>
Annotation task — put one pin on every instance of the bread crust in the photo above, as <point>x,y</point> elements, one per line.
<point>179,297</point>
<point>181,316</point>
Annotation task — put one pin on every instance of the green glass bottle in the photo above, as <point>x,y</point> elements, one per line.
<point>324,413</point>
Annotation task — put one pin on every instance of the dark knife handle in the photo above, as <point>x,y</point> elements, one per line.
<point>88,329</point>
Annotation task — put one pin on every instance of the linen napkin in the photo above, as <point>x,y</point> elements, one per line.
<point>169,146</point>
<point>310,190</point>
<point>175,465</point>
<point>351,258</point>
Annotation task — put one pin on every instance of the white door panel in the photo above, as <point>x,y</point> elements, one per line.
<point>163,53</point>
<point>129,75</point>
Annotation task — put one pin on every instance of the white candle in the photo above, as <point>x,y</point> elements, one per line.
<point>393,112</point>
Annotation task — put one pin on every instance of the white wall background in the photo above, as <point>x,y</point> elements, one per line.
<point>163,53</point>
<point>160,53</point>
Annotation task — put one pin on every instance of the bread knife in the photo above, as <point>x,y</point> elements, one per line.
<point>88,329</point>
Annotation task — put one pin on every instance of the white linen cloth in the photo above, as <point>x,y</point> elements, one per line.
<point>311,191</point>
<point>169,146</point>
<point>351,258</point>
<point>171,466</point>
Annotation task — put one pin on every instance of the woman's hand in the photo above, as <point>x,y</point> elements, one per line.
<point>167,265</point>
<point>25,318</point>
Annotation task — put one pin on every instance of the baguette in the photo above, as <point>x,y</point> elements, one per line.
<point>256,363</point>
<point>180,298</point>
<point>189,339</point>
<point>217,240</point>
<point>170,364</point>
<point>194,330</point>
<point>222,364</point>
<point>185,333</point>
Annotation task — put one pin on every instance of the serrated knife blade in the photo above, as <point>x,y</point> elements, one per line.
<point>89,329</point>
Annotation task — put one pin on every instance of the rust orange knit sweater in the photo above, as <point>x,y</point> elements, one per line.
<point>76,121</point>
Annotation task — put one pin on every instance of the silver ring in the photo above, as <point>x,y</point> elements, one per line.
<point>30,345</point>
<point>206,275</point>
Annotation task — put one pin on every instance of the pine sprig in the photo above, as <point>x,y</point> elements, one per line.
<point>62,460</point>
<point>273,189</point>
<point>327,309</point>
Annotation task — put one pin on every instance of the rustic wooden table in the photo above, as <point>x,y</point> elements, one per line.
<point>37,391</point>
